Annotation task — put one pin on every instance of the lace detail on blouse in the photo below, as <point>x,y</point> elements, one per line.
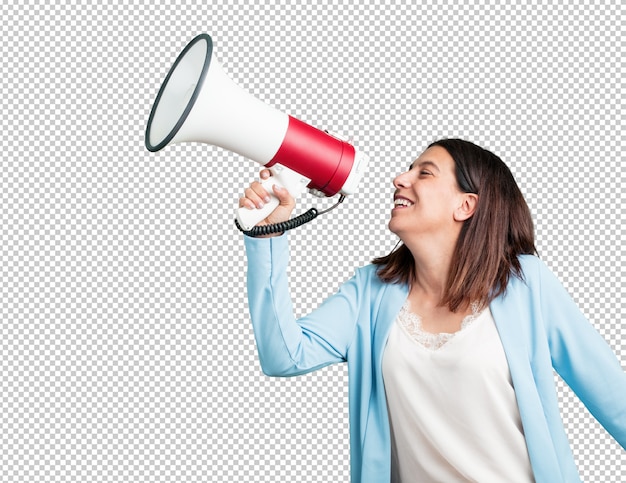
<point>412,324</point>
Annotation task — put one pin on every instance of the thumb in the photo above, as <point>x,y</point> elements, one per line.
<point>283,195</point>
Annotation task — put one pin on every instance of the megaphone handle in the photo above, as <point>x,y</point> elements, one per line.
<point>282,176</point>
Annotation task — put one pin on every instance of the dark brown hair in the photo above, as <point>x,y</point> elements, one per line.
<point>490,242</point>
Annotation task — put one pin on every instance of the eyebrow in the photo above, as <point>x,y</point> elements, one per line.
<point>422,164</point>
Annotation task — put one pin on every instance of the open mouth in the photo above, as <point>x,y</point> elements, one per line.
<point>402,203</point>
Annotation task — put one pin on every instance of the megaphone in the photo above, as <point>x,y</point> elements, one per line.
<point>198,102</point>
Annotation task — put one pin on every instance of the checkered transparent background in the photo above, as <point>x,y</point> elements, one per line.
<point>126,352</point>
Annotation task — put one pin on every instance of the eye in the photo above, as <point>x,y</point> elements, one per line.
<point>425,172</point>
<point>422,170</point>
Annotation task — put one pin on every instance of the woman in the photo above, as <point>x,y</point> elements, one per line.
<point>451,340</point>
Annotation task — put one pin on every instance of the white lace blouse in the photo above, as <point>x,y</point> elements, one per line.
<point>452,407</point>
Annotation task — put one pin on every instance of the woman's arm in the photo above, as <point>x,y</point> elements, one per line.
<point>288,346</point>
<point>582,357</point>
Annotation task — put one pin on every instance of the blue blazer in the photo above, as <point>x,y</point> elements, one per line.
<point>540,326</point>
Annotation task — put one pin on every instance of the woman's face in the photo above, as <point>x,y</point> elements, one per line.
<point>427,197</point>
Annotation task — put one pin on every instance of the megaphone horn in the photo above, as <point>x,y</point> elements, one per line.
<point>198,102</point>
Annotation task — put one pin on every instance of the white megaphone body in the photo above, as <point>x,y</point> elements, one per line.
<point>198,102</point>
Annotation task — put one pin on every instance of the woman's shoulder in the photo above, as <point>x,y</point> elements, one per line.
<point>530,263</point>
<point>370,272</point>
<point>536,273</point>
<point>367,277</point>
<point>533,266</point>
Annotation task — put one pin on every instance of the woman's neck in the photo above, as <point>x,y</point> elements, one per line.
<point>432,266</point>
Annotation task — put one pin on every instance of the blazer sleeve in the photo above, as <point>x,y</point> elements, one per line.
<point>286,346</point>
<point>582,357</point>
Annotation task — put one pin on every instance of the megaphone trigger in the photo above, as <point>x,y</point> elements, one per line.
<point>282,176</point>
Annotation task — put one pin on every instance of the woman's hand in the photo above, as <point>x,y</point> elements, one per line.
<point>255,196</point>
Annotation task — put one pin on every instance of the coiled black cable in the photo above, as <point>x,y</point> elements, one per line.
<point>310,215</point>
<point>256,231</point>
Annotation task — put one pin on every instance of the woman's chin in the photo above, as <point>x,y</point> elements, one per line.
<point>394,226</point>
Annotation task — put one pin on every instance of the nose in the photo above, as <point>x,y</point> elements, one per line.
<point>403,180</point>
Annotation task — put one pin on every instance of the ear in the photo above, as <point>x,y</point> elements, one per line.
<point>467,207</point>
